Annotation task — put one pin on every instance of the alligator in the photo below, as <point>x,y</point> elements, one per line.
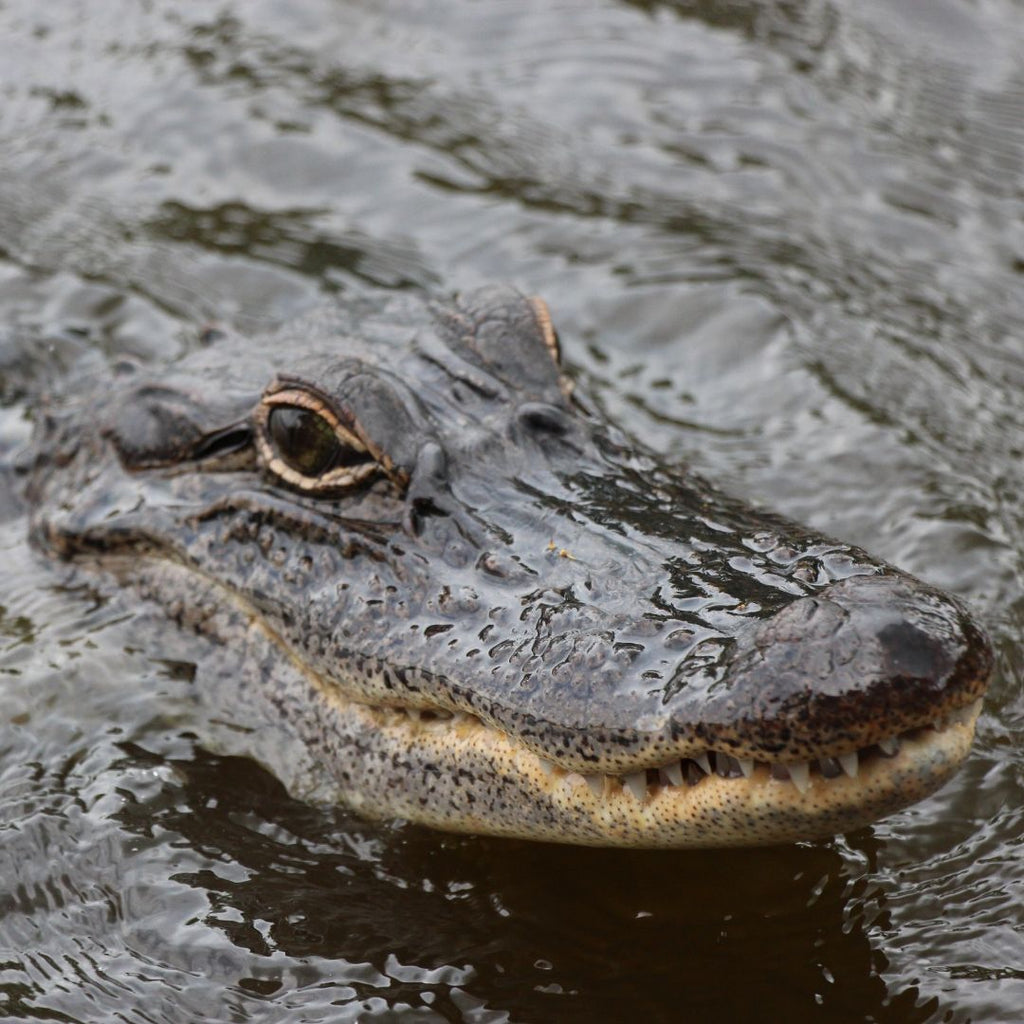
<point>483,607</point>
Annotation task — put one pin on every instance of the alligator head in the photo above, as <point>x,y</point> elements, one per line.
<point>509,618</point>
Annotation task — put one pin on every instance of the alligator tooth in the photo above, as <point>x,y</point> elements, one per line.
<point>849,763</point>
<point>800,774</point>
<point>637,784</point>
<point>546,766</point>
<point>674,773</point>
<point>596,784</point>
<point>413,713</point>
<point>889,746</point>
<point>963,716</point>
<point>704,764</point>
<point>746,766</point>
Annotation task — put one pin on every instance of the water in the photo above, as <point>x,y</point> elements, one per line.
<point>782,241</point>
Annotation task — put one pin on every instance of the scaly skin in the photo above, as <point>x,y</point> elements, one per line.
<point>494,613</point>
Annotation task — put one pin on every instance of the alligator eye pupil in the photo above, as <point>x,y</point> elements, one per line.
<point>306,441</point>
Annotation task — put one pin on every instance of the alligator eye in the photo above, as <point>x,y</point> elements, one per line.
<point>302,441</point>
<point>306,441</point>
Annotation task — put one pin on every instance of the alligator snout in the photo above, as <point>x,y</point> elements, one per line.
<point>865,658</point>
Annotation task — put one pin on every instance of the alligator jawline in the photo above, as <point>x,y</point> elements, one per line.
<point>410,757</point>
<point>688,772</point>
<point>648,809</point>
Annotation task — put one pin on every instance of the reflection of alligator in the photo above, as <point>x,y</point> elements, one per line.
<point>496,614</point>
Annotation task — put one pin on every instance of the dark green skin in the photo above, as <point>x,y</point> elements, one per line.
<point>522,560</point>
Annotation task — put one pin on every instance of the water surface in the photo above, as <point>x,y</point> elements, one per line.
<point>781,241</point>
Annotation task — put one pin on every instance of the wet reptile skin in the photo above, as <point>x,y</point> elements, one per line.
<point>589,631</point>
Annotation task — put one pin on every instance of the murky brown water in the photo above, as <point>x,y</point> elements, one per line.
<point>784,241</point>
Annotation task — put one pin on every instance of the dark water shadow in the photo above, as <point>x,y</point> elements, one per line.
<point>541,931</point>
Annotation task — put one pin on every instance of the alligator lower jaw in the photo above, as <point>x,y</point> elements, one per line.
<point>458,774</point>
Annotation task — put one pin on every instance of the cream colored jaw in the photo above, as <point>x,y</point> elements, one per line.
<point>663,807</point>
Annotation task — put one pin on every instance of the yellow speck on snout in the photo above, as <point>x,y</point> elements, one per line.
<point>562,552</point>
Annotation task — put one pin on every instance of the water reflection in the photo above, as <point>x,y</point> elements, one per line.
<point>538,931</point>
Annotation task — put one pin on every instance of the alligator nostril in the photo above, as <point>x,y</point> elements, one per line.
<point>543,418</point>
<point>910,652</point>
<point>869,649</point>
